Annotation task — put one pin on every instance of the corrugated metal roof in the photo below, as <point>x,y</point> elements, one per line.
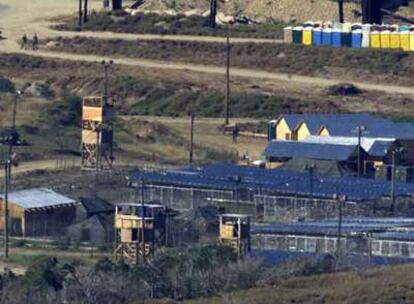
<point>300,149</point>
<point>374,146</point>
<point>38,198</point>
<point>345,124</point>
<point>350,225</point>
<point>280,182</point>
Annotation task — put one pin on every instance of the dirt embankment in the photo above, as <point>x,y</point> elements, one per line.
<point>284,10</point>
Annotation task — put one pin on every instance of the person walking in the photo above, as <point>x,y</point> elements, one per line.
<point>24,42</point>
<point>35,42</point>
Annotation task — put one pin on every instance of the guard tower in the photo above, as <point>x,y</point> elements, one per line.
<point>235,232</point>
<point>97,133</point>
<point>140,230</point>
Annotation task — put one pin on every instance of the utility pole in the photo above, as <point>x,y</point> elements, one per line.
<point>340,200</point>
<point>106,65</point>
<point>359,130</point>
<point>80,13</point>
<point>393,156</point>
<point>213,13</point>
<point>143,221</point>
<point>85,11</point>
<point>7,173</point>
<point>341,10</point>
<point>227,106</point>
<point>190,158</point>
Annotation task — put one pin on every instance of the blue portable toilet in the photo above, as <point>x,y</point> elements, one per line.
<point>336,38</point>
<point>327,37</point>
<point>357,39</point>
<point>317,37</point>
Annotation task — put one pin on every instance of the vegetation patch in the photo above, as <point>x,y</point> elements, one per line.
<point>6,86</point>
<point>170,25</point>
<point>393,66</point>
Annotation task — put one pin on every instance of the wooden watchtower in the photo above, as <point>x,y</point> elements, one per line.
<point>235,232</point>
<point>140,230</point>
<point>97,133</point>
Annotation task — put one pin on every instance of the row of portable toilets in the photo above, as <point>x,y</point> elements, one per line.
<point>355,36</point>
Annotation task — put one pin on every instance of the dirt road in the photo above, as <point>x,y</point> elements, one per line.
<point>31,16</point>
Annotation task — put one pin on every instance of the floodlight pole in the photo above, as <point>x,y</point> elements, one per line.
<point>80,14</point>
<point>359,130</point>
<point>143,221</point>
<point>6,207</point>
<point>393,156</point>
<point>341,10</point>
<point>227,106</point>
<point>190,160</point>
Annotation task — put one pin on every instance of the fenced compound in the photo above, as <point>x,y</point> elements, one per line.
<point>359,245</point>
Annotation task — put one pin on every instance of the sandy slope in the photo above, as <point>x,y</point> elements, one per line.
<point>29,17</point>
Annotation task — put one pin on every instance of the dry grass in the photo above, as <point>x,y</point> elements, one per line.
<point>387,66</point>
<point>394,284</point>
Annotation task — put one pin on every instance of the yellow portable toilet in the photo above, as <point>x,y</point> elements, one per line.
<point>307,36</point>
<point>385,39</point>
<point>375,40</point>
<point>411,41</point>
<point>405,40</point>
<point>395,40</point>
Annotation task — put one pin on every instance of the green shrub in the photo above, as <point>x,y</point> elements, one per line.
<point>6,86</point>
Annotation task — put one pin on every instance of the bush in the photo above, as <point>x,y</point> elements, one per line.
<point>65,112</point>
<point>6,86</point>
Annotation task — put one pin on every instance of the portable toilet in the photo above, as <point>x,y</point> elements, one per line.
<point>395,40</point>
<point>366,27</point>
<point>385,39</point>
<point>307,36</point>
<point>357,39</point>
<point>411,41</point>
<point>336,38</point>
<point>346,38</point>
<point>327,36</point>
<point>347,27</point>
<point>365,43</point>
<point>288,34</point>
<point>375,40</point>
<point>297,34</point>
<point>405,40</point>
<point>317,37</point>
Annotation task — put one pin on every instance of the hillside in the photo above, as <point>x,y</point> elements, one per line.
<point>378,285</point>
<point>282,10</point>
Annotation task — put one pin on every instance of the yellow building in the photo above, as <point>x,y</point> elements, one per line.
<point>38,212</point>
<point>284,131</point>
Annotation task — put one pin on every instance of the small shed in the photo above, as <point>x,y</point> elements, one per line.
<point>38,212</point>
